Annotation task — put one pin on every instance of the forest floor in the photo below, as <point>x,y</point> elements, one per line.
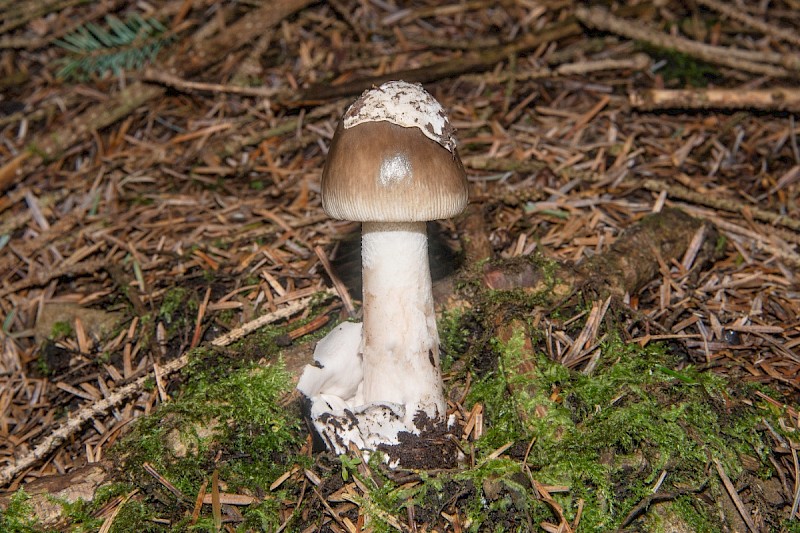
<point>619,304</point>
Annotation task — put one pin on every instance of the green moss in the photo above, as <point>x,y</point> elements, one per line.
<point>681,68</point>
<point>79,514</point>
<point>526,298</point>
<point>227,418</point>
<point>141,200</point>
<point>18,517</point>
<point>173,302</point>
<point>696,518</point>
<point>135,516</point>
<point>608,436</point>
<point>60,330</point>
<point>454,337</point>
<point>720,244</point>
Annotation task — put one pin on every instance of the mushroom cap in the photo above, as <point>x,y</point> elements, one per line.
<point>393,159</point>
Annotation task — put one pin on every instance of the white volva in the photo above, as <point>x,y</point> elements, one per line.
<point>372,380</point>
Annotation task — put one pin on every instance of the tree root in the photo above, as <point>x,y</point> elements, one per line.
<point>632,261</point>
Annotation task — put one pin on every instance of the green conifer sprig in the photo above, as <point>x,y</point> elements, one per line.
<point>120,45</point>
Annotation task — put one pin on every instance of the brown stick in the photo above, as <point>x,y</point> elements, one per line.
<point>758,63</point>
<point>181,84</point>
<point>43,277</point>
<point>76,420</point>
<point>731,205</point>
<point>783,34</point>
<point>445,69</point>
<point>776,99</point>
<point>580,68</point>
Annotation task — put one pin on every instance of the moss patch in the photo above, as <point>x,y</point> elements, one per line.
<point>610,436</point>
<point>233,423</point>
<point>17,517</point>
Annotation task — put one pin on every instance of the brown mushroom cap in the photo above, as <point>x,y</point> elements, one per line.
<point>382,172</point>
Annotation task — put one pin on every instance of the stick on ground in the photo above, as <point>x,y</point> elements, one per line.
<point>775,99</point>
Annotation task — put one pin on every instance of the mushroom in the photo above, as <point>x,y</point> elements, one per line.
<point>392,165</point>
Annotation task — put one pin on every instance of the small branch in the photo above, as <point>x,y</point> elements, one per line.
<point>601,19</point>
<point>77,420</point>
<point>733,13</point>
<point>43,277</point>
<point>776,99</point>
<point>253,325</point>
<point>580,68</point>
<point>658,497</point>
<point>737,501</point>
<point>445,69</point>
<point>180,84</point>
<point>731,205</point>
<point>635,62</point>
<point>630,263</point>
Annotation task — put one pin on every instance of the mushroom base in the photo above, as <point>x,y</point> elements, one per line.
<point>375,385</point>
<point>381,427</point>
<point>339,416</point>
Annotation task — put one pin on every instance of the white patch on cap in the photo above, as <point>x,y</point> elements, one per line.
<point>404,104</point>
<point>394,170</point>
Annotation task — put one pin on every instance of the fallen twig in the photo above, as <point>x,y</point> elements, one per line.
<point>733,206</point>
<point>657,497</point>
<point>253,325</point>
<point>734,13</point>
<point>74,423</point>
<point>756,62</point>
<point>181,84</point>
<point>737,501</point>
<point>445,69</point>
<point>632,261</point>
<point>674,190</point>
<point>44,277</point>
<point>775,99</point>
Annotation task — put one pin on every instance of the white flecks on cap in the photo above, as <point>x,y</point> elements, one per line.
<point>404,104</point>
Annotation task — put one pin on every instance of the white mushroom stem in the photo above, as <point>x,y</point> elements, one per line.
<point>400,342</point>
